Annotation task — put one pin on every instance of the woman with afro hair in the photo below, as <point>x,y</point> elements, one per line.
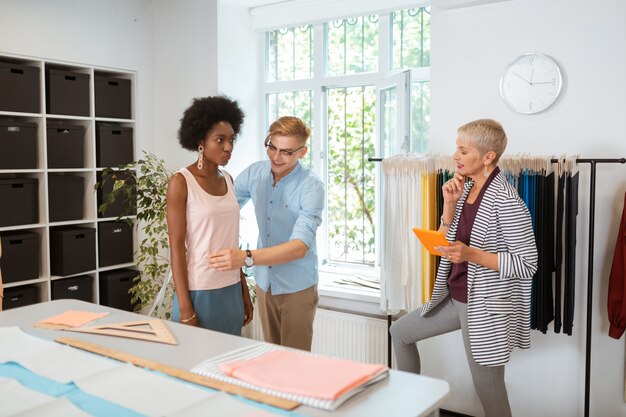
<point>203,216</point>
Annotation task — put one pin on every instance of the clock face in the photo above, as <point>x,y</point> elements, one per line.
<point>531,83</point>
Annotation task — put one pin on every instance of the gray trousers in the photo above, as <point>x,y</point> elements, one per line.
<point>448,316</point>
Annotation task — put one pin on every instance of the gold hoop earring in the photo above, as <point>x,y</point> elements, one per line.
<point>200,156</point>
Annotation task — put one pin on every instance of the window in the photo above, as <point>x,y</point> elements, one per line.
<point>329,74</point>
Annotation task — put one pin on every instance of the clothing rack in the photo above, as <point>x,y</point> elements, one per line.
<point>592,208</point>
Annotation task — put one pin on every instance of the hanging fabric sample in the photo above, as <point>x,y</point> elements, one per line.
<point>400,283</point>
<point>571,212</point>
<point>617,283</point>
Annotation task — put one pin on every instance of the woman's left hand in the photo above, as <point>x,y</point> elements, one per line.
<point>248,310</point>
<point>457,252</point>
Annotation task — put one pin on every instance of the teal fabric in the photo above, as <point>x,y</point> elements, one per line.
<point>220,309</point>
<point>88,403</point>
<point>94,405</point>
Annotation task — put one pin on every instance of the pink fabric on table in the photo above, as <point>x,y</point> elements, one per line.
<point>73,318</point>
<point>296,373</point>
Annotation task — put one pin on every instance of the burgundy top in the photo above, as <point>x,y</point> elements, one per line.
<point>457,280</point>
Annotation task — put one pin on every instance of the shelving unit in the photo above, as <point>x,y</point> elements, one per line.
<point>89,93</point>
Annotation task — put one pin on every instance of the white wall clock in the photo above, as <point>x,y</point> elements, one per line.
<point>531,83</point>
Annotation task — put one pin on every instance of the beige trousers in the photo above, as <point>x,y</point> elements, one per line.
<point>287,319</point>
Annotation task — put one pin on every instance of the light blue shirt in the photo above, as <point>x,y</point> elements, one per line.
<point>292,209</point>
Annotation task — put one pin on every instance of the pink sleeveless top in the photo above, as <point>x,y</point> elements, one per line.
<point>212,224</point>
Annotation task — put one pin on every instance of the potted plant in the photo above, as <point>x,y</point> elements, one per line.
<point>141,186</point>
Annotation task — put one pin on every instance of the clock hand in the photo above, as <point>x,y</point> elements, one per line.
<point>523,79</point>
<point>544,82</point>
<point>531,76</point>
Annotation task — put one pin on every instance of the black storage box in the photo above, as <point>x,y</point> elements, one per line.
<point>67,92</point>
<point>19,85</point>
<point>114,145</point>
<point>72,250</point>
<point>19,201</point>
<point>112,97</point>
<point>66,146</point>
<point>18,144</point>
<point>115,243</point>
<point>77,288</point>
<point>20,256</point>
<point>65,197</point>
<point>114,287</point>
<point>20,296</point>
<point>119,207</point>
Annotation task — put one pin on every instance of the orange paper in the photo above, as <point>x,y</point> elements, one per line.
<point>73,318</point>
<point>296,373</point>
<point>430,239</point>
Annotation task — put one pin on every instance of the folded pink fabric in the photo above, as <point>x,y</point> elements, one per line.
<point>296,373</point>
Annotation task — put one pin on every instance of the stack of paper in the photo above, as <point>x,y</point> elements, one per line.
<point>313,380</point>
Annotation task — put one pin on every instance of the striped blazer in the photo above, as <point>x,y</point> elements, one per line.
<point>498,302</point>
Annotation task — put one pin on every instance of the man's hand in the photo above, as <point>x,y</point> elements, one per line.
<point>227,259</point>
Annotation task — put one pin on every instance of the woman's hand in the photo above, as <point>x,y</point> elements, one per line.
<point>452,189</point>
<point>248,310</point>
<point>457,252</point>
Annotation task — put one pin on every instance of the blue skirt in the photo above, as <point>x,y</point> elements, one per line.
<point>220,309</point>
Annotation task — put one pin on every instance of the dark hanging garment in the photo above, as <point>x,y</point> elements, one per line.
<point>558,251</point>
<point>542,281</point>
<point>569,278</point>
<point>617,283</point>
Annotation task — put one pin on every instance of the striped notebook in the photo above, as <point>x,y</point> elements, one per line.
<point>212,369</point>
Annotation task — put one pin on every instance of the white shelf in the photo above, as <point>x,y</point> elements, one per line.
<point>89,172</point>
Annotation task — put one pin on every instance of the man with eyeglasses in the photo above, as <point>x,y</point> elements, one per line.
<point>288,202</point>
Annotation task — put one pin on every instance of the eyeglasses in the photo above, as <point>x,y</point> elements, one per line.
<point>284,152</point>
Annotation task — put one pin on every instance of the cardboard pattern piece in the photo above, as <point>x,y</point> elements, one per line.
<point>157,331</point>
<point>430,239</point>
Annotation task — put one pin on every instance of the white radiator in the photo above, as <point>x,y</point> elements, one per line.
<point>342,335</point>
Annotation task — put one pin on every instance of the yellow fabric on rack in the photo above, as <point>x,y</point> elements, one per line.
<point>429,221</point>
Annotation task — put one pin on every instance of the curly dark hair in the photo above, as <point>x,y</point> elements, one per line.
<point>203,114</point>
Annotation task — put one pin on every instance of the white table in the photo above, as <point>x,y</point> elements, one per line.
<point>401,395</point>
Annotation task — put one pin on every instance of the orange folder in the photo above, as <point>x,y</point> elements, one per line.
<point>430,239</point>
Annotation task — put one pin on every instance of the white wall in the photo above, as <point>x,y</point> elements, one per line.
<point>116,34</point>
<point>240,73</point>
<point>185,67</point>
<point>470,48</point>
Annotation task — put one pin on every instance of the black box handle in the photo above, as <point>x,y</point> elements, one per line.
<point>70,77</point>
<point>15,242</point>
<point>80,236</point>
<point>116,132</point>
<point>17,185</point>
<point>73,288</point>
<point>17,71</point>
<point>63,131</point>
<point>113,83</point>
<point>17,297</point>
<point>13,129</point>
<point>125,279</point>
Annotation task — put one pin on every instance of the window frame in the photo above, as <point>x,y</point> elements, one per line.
<point>318,84</point>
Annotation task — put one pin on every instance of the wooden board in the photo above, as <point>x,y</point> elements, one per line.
<point>180,373</point>
<point>149,330</point>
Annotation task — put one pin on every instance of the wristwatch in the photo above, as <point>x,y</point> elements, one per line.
<point>249,261</point>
